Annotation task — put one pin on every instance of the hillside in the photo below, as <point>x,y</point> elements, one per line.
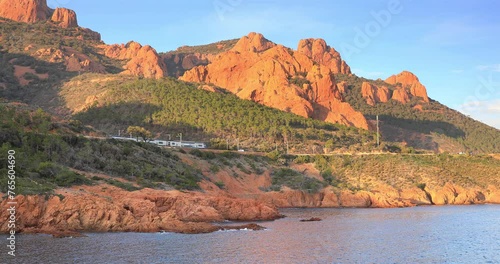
<point>52,155</point>
<point>169,107</point>
<point>423,125</point>
<point>312,81</point>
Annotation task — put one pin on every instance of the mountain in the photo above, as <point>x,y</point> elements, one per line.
<point>63,90</point>
<point>29,11</point>
<point>301,82</point>
<point>41,57</point>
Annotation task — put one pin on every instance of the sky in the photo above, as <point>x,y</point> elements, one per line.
<point>452,46</point>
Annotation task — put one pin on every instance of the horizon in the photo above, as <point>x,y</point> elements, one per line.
<point>398,34</point>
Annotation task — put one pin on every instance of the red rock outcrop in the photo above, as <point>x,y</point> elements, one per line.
<point>374,94</point>
<point>254,42</point>
<point>401,95</point>
<point>177,64</point>
<point>64,17</point>
<point>492,195</point>
<point>141,211</point>
<point>276,76</point>
<point>382,197</point>
<point>410,81</point>
<point>74,60</point>
<point>143,60</point>
<point>321,53</point>
<point>453,194</point>
<point>342,87</point>
<point>28,11</point>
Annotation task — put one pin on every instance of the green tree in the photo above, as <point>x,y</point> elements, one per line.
<point>139,132</point>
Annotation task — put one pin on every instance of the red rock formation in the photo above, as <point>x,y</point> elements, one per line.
<point>65,18</point>
<point>319,52</point>
<point>143,60</point>
<point>276,76</point>
<point>28,11</point>
<point>141,211</point>
<point>401,95</point>
<point>177,64</point>
<point>254,42</point>
<point>452,194</point>
<point>374,94</point>
<point>493,195</point>
<point>74,60</point>
<point>410,81</point>
<point>342,87</point>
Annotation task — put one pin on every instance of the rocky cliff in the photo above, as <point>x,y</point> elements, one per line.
<point>300,81</point>
<point>409,82</point>
<point>104,209</point>
<point>32,11</point>
<point>375,94</point>
<point>64,17</point>
<point>406,84</point>
<point>28,11</point>
<point>321,53</point>
<point>141,60</point>
<point>383,197</point>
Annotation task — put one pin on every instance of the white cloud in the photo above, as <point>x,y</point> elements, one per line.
<point>487,112</point>
<point>493,67</point>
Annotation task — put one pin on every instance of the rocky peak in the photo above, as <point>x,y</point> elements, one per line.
<point>276,76</point>
<point>401,95</point>
<point>28,11</point>
<point>253,42</point>
<point>409,80</point>
<point>143,60</point>
<point>321,53</point>
<point>374,94</point>
<point>66,18</point>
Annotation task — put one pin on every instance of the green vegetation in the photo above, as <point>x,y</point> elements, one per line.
<point>299,79</point>
<point>139,132</point>
<point>220,184</point>
<point>123,185</point>
<point>212,48</point>
<point>294,180</point>
<point>435,119</point>
<point>170,106</point>
<point>46,150</point>
<point>17,36</point>
<point>366,172</point>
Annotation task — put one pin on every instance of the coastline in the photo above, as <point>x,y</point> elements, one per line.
<point>95,209</point>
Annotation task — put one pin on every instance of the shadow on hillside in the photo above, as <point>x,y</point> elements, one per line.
<point>424,126</point>
<point>119,116</point>
<point>36,82</point>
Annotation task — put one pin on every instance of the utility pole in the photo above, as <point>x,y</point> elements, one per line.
<point>287,147</point>
<point>180,142</point>
<point>227,143</point>
<point>378,134</point>
<point>238,143</point>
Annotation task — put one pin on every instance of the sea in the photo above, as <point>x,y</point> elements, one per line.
<point>425,234</point>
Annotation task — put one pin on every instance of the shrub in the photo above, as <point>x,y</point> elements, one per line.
<point>220,184</point>
<point>421,186</point>
<point>214,168</point>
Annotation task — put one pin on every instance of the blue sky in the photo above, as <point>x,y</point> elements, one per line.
<point>452,46</point>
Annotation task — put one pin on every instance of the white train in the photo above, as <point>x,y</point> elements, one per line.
<point>167,143</point>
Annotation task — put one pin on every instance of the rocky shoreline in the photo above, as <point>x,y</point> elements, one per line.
<point>109,209</point>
